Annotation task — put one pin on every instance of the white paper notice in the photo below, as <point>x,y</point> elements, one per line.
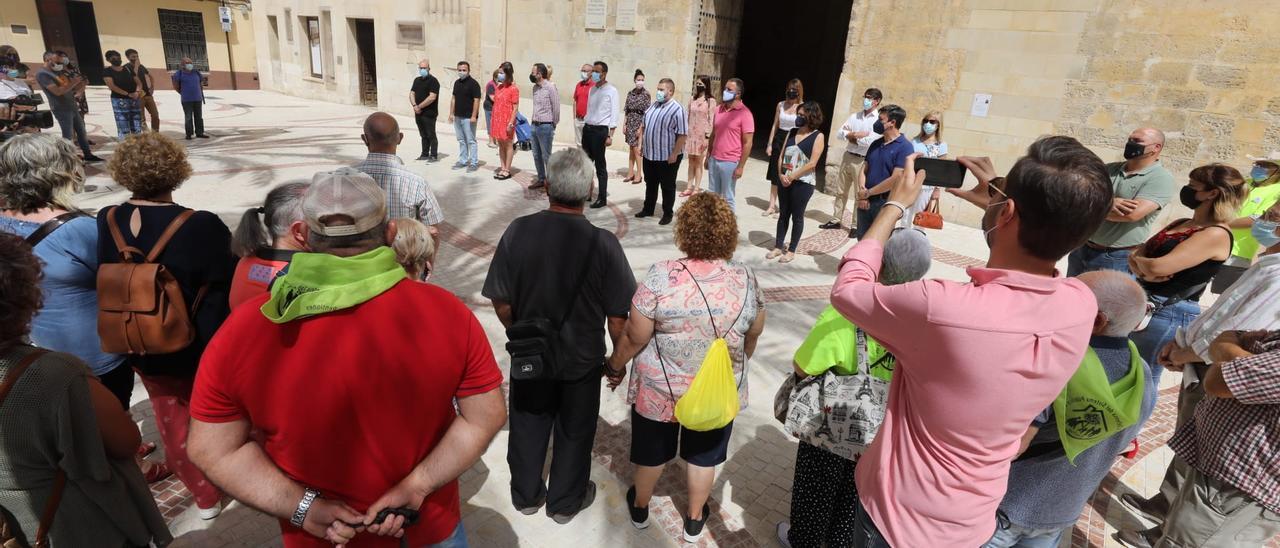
<point>981,105</point>
<point>626,17</point>
<point>596,12</point>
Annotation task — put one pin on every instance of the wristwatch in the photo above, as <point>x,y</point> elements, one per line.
<point>300,515</point>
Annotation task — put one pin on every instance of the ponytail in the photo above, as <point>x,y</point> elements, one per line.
<point>250,235</point>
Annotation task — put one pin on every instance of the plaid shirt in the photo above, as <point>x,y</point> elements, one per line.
<point>1237,440</point>
<point>407,192</point>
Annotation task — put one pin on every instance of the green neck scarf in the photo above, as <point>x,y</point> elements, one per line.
<point>1091,409</point>
<point>317,283</point>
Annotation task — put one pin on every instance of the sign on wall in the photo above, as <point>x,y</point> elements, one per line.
<point>224,15</point>
<point>596,12</point>
<point>626,19</point>
<point>981,105</point>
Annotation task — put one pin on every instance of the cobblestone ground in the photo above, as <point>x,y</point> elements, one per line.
<point>262,139</point>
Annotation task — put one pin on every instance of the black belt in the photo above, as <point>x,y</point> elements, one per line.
<point>1097,247</point>
<point>593,125</point>
<point>543,123</point>
<point>856,154</point>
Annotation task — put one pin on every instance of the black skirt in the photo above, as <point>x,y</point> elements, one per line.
<point>779,139</point>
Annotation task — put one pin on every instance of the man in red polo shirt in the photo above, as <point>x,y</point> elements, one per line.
<point>350,372</point>
<point>581,93</point>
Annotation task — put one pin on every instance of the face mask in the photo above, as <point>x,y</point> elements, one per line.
<point>986,232</point>
<point>878,128</point>
<point>929,128</point>
<point>584,74</point>
<point>1259,173</point>
<point>462,75</point>
<point>424,72</point>
<point>59,66</point>
<point>115,61</point>
<point>502,77</point>
<point>1133,150</point>
<point>1265,232</point>
<point>595,77</point>
<point>639,84</point>
<point>728,96</point>
<point>801,121</point>
<point>700,86</point>
<point>533,78</point>
<point>792,94</point>
<point>661,96</point>
<point>866,103</point>
<point>13,73</point>
<point>189,66</point>
<point>1188,197</point>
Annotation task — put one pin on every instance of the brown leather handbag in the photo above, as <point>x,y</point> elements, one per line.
<point>141,309</point>
<point>11,535</point>
<point>929,218</point>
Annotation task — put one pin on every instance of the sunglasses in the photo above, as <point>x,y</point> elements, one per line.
<point>931,121</point>
<point>994,185</point>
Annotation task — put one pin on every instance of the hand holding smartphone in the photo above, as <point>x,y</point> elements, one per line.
<point>941,173</point>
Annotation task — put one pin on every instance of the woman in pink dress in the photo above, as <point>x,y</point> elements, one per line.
<point>506,100</point>
<point>702,114</point>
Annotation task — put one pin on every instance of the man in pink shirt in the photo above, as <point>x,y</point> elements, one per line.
<point>731,136</point>
<point>976,361</point>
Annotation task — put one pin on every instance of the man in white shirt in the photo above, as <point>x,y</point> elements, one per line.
<point>857,132</point>
<point>600,122</point>
<point>1250,304</point>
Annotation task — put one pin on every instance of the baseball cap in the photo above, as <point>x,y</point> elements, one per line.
<point>345,192</point>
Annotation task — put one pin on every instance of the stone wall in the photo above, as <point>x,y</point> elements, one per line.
<point>1202,71</point>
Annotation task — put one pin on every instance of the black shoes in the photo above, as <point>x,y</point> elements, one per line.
<point>588,498</point>
<point>1146,509</point>
<point>599,203</point>
<point>829,225</point>
<point>666,220</point>
<point>189,137</point>
<point>202,136</point>
<point>639,516</point>
<point>533,509</point>
<point>644,214</point>
<point>433,159</point>
<point>538,185</point>
<point>693,528</point>
<point>423,158</point>
<point>89,159</point>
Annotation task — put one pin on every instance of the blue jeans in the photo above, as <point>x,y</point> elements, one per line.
<point>866,216</point>
<point>488,119</point>
<point>72,125</point>
<point>1087,259</point>
<point>722,182</point>
<point>1163,326</point>
<point>865,533</point>
<point>466,132</point>
<point>458,539</point>
<point>542,136</point>
<point>1017,536</point>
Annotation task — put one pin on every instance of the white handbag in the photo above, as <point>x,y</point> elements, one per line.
<point>838,413</point>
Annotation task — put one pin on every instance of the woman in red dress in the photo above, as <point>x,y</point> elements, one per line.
<point>506,101</point>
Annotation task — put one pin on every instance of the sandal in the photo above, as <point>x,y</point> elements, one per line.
<point>769,212</point>
<point>773,254</point>
<point>146,448</point>
<point>790,256</point>
<point>156,472</point>
<point>686,194</point>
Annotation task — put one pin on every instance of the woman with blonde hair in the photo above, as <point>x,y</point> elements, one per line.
<point>702,116</point>
<point>415,248</point>
<point>784,120</point>
<point>1176,264</point>
<point>929,144</point>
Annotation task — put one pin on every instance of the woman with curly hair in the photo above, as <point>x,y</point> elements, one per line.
<point>680,309</point>
<point>66,440</point>
<point>151,166</point>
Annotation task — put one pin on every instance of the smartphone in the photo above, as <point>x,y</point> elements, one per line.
<point>943,173</point>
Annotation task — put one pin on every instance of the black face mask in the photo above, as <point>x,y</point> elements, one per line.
<point>878,127</point>
<point>533,78</point>
<point>1188,197</point>
<point>1133,150</point>
<point>801,121</point>
<point>115,61</point>
<point>792,94</point>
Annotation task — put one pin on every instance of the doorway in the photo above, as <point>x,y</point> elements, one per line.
<point>366,60</point>
<point>84,33</point>
<point>785,40</point>
<point>273,46</point>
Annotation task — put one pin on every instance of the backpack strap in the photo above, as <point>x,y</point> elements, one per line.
<point>47,228</point>
<point>127,252</point>
<point>168,233</point>
<point>60,479</point>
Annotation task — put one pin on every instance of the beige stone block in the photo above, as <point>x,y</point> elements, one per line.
<point>1130,94</point>
<point>1250,130</point>
<point>1067,22</point>
<point>963,138</point>
<point>1169,73</point>
<point>1217,76</point>
<point>990,124</point>
<point>1036,87</point>
<point>1101,118</point>
<point>990,19</point>
<point>1181,98</point>
<point>1029,129</point>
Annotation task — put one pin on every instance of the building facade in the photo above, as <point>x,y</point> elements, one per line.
<point>163,32</point>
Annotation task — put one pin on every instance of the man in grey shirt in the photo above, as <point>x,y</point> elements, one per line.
<point>59,90</point>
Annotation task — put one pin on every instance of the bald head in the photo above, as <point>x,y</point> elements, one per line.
<point>1121,302</point>
<point>424,64</point>
<point>381,133</point>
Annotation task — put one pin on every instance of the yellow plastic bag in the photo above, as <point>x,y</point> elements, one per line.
<point>712,399</point>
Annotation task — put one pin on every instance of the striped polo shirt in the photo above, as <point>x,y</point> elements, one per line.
<point>663,123</point>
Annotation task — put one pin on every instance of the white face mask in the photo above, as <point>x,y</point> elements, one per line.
<point>584,74</point>
<point>59,66</point>
<point>986,234</point>
<point>639,84</point>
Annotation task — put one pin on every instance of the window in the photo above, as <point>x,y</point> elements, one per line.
<point>410,34</point>
<point>288,27</point>
<point>18,29</point>
<point>313,39</point>
<point>182,34</point>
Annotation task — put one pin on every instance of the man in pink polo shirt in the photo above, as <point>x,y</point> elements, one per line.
<point>730,141</point>
<point>976,361</point>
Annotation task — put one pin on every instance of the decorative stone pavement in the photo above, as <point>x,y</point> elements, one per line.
<point>263,139</point>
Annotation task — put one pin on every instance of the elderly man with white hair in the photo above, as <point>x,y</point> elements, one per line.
<point>1072,445</point>
<point>554,281</point>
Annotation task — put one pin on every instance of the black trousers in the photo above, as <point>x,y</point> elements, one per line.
<point>593,138</point>
<point>824,499</point>
<point>792,201</point>
<point>568,410</point>
<point>660,175</point>
<point>119,382</point>
<point>193,117</point>
<point>427,130</point>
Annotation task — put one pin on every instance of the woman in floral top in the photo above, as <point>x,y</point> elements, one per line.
<point>668,334</point>
<point>638,101</point>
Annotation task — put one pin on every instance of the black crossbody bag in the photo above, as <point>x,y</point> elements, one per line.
<point>533,342</point>
<point>51,225</point>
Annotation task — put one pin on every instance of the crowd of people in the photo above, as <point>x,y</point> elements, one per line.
<point>327,273</point>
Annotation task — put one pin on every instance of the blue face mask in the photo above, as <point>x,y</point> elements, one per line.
<point>728,96</point>
<point>929,128</point>
<point>595,77</point>
<point>502,77</point>
<point>189,66</point>
<point>424,72</point>
<point>1265,232</point>
<point>661,96</point>
<point>13,73</point>
<point>866,103</point>
<point>1259,173</point>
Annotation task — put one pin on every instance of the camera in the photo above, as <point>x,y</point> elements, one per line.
<point>16,120</point>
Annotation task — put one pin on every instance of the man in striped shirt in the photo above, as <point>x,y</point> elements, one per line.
<point>664,131</point>
<point>1231,495</point>
<point>1251,303</point>
<point>408,194</point>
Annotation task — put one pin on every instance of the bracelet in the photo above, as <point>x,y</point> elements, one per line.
<point>300,515</point>
<point>897,205</point>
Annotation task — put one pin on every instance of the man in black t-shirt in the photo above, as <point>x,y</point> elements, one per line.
<point>126,92</point>
<point>423,97</point>
<point>464,110</point>
<point>529,279</point>
<point>148,99</point>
